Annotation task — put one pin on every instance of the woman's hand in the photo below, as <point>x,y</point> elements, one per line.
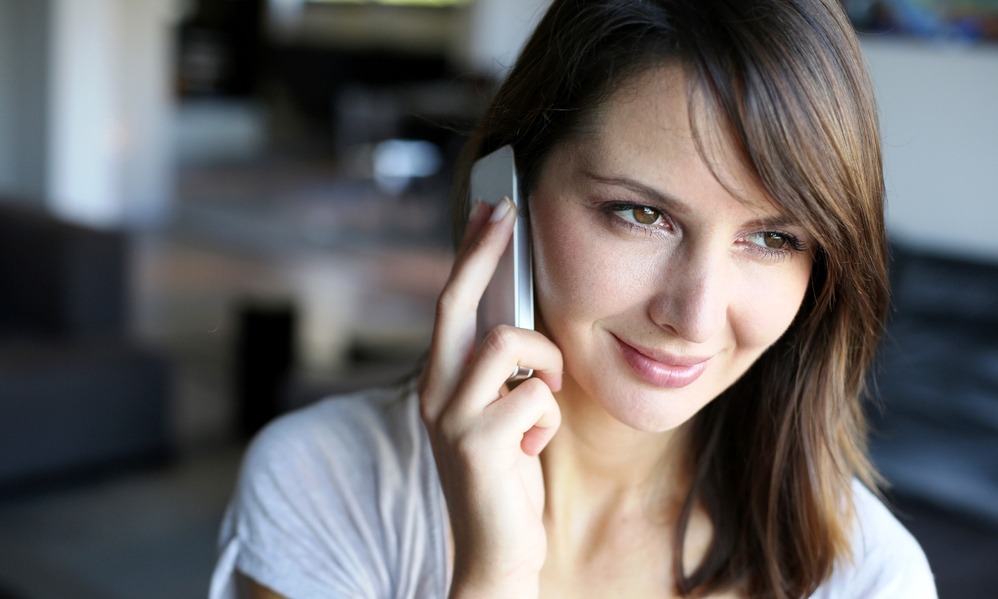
<point>486,437</point>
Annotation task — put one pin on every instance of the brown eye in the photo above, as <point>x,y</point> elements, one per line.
<point>775,241</point>
<point>638,217</point>
<point>643,215</point>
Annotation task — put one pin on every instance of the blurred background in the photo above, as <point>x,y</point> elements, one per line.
<point>214,211</point>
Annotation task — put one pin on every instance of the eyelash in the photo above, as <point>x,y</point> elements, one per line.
<point>793,244</point>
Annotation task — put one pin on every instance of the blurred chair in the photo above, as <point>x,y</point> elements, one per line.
<point>76,394</point>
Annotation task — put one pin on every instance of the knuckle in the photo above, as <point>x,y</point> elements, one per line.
<point>448,300</point>
<point>465,436</point>
<point>467,448</point>
<point>452,423</point>
<point>479,244</point>
<point>448,424</point>
<point>453,301</point>
<point>426,414</point>
<point>427,393</point>
<point>499,340</point>
<point>534,388</point>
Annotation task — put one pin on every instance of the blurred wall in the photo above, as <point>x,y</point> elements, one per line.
<point>494,32</point>
<point>939,116</point>
<point>85,107</point>
<point>110,107</point>
<point>24,39</point>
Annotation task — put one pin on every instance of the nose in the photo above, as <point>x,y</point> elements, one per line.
<point>694,295</point>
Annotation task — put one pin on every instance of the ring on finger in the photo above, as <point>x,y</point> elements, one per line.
<point>520,373</point>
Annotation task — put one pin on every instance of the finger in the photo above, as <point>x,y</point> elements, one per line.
<point>454,329</point>
<point>504,348</point>
<point>458,303</point>
<point>478,217</point>
<point>529,415</point>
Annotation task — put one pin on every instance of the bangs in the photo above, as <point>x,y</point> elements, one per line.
<point>801,124</point>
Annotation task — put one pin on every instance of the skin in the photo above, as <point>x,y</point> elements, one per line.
<point>710,278</point>
<point>645,256</point>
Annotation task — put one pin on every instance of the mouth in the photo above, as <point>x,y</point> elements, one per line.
<point>662,369</point>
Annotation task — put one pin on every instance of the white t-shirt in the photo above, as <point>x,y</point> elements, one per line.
<point>342,499</point>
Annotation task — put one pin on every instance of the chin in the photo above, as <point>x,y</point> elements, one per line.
<point>642,408</point>
<point>648,413</point>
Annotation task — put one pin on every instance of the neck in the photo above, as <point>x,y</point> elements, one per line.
<point>598,470</point>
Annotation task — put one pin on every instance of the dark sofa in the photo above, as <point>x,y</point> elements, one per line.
<point>935,428</point>
<point>77,393</point>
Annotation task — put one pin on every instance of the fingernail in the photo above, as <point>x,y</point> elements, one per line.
<point>559,382</point>
<point>500,210</point>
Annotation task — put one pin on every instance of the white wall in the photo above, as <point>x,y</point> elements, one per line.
<point>83,168</point>
<point>8,99</point>
<point>109,157</point>
<point>495,31</point>
<point>146,84</point>
<point>23,85</point>
<point>939,116</point>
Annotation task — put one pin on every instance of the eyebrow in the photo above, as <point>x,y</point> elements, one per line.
<point>659,197</point>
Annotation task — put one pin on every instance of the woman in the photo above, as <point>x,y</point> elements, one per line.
<point>706,211</point>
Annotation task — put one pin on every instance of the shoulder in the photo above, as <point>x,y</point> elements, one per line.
<point>886,560</point>
<point>329,487</point>
<point>342,433</point>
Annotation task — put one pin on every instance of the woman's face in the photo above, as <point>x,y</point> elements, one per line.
<point>660,282</point>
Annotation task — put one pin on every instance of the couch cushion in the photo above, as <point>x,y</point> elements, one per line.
<point>936,435</point>
<point>79,405</point>
<point>59,278</point>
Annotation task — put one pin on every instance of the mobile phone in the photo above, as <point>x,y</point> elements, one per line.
<point>509,297</point>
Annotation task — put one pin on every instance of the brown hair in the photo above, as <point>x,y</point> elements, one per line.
<point>774,457</point>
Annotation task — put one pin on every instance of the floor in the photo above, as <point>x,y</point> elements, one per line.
<point>146,534</point>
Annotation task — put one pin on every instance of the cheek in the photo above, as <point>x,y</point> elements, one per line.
<point>577,274</point>
<point>768,305</point>
<point>564,275</point>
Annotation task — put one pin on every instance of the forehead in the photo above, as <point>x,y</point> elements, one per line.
<point>656,122</point>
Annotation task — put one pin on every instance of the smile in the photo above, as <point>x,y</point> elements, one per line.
<point>662,370</point>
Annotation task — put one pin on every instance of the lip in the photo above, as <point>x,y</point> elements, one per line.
<point>662,369</point>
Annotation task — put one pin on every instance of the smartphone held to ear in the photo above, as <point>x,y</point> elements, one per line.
<point>509,297</point>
